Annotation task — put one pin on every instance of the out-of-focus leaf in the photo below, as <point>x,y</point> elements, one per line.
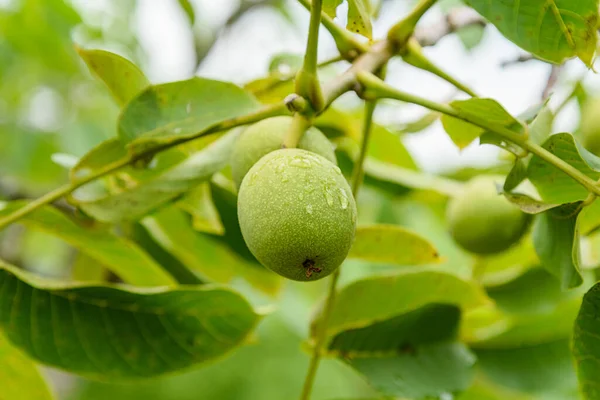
<point>335,122</point>
<point>517,174</point>
<point>556,242</point>
<point>463,133</point>
<point>172,111</point>
<point>105,153</point>
<point>420,124</point>
<point>536,291</point>
<point>400,335</point>
<point>528,204</point>
<point>107,333</point>
<point>142,197</point>
<point>19,376</point>
<point>88,269</point>
<point>271,89</point>
<point>118,254</point>
<point>483,389</point>
<point>412,355</point>
<point>539,130</point>
<point>503,267</point>
<point>330,7</point>
<point>359,15</point>
<point>225,200</point>
<point>285,63</point>
<point>589,218</point>
<point>187,7</point>
<point>409,178</point>
<point>392,244</point>
<point>471,36</point>
<point>367,301</point>
<point>388,147</point>
<point>121,76</point>
<point>541,127</point>
<point>432,371</point>
<point>552,30</point>
<point>533,309</point>
<point>545,370</point>
<point>586,344</point>
<point>199,204</point>
<point>359,18</point>
<point>553,184</point>
<point>206,254</point>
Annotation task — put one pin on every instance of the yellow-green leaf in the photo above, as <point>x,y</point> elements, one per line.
<point>392,244</point>
<point>19,375</point>
<point>118,254</point>
<point>122,77</point>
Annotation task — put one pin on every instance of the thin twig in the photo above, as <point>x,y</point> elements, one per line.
<point>456,19</point>
<point>523,58</point>
<point>551,81</point>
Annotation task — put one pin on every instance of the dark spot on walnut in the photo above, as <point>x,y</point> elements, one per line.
<point>309,267</point>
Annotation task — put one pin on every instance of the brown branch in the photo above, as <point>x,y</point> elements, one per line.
<point>551,81</point>
<point>523,58</point>
<point>455,20</point>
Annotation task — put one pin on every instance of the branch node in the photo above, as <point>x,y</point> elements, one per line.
<point>296,103</point>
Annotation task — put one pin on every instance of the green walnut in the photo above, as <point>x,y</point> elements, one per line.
<point>483,221</point>
<point>297,214</point>
<point>590,125</point>
<point>266,136</point>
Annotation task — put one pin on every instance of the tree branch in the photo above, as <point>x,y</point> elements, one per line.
<point>456,19</point>
<point>375,88</point>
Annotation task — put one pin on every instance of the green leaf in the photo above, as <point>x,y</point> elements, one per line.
<point>589,218</point>
<point>387,147</point>
<point>586,344</point>
<point>123,78</point>
<point>471,36</point>
<point>285,64</point>
<point>19,376</point>
<point>528,204</point>
<point>330,7</point>
<point>141,197</point>
<point>553,185</point>
<point>399,335</point>
<point>173,111</point>
<point>536,291</point>
<point>392,244</point>
<point>545,369</point>
<point>199,204</point>
<point>118,254</point>
<point>206,254</point>
<point>107,152</point>
<point>412,355</point>
<point>419,124</point>
<point>432,371</point>
<point>504,267</point>
<point>359,18</point>
<point>409,178</point>
<point>359,15</point>
<point>553,30</point>
<point>539,130</point>
<point>541,126</point>
<point>367,301</point>
<point>517,174</point>
<point>107,333</point>
<point>187,7</point>
<point>556,242</point>
<point>463,133</point>
<point>531,310</point>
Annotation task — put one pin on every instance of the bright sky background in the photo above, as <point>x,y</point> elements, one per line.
<point>244,52</point>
